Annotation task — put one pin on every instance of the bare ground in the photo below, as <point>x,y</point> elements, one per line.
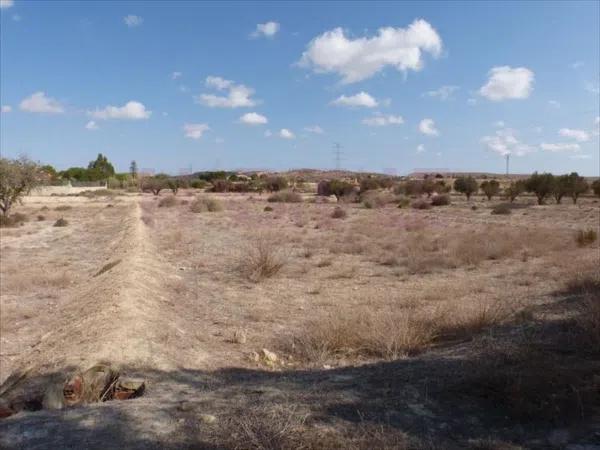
<point>161,292</point>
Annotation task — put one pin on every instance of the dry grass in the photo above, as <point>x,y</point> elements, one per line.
<point>285,197</point>
<point>61,223</point>
<point>586,237</point>
<point>167,202</point>
<point>205,204</point>
<point>262,258</point>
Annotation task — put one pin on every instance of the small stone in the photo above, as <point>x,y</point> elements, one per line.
<point>207,418</point>
<point>269,355</point>
<point>254,357</point>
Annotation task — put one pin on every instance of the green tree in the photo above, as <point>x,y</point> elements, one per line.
<point>100,168</point>
<point>576,186</point>
<point>133,169</point>
<point>515,189</point>
<point>466,185</point>
<point>541,185</point>
<point>490,188</point>
<point>560,188</point>
<point>17,178</point>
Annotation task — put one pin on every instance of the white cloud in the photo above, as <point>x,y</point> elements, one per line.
<point>268,133</point>
<point>219,140</point>
<point>253,118</point>
<point>284,133</point>
<point>420,148</point>
<point>360,99</point>
<point>238,95</point>
<point>427,126</point>
<point>133,20</point>
<point>592,88</point>
<point>39,103</point>
<point>6,3</point>
<point>361,58</point>
<point>443,93</point>
<point>577,64</point>
<point>268,29</point>
<point>554,103</point>
<point>507,83</point>
<point>505,142</point>
<point>472,101</point>
<point>91,125</point>
<point>499,124</point>
<point>131,110</point>
<point>314,129</point>
<point>578,135</point>
<point>581,156</point>
<point>6,108</point>
<point>560,147</point>
<point>195,130</point>
<point>380,120</point>
<point>176,75</point>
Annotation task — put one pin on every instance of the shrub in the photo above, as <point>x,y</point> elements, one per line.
<point>596,188</point>
<point>575,186</point>
<point>198,184</point>
<point>154,184</point>
<point>490,188</point>
<point>339,213</point>
<point>285,197</point>
<point>14,220</point>
<point>61,223</point>
<point>17,178</point>
<point>421,204</point>
<point>338,188</point>
<point>167,202</point>
<point>403,202</point>
<point>515,189</point>
<point>63,208</point>
<point>440,200</point>
<point>502,208</point>
<point>201,204</point>
<point>275,184</point>
<point>262,259</point>
<point>41,218</point>
<point>586,237</point>
<point>372,199</point>
<point>466,185</point>
<point>268,209</point>
<point>541,185</point>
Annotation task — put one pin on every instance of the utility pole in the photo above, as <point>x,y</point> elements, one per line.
<point>507,156</point>
<point>338,155</point>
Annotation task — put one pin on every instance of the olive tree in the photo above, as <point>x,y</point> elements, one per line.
<point>466,185</point>
<point>490,188</point>
<point>576,186</point>
<point>541,185</point>
<point>17,178</point>
<point>515,189</point>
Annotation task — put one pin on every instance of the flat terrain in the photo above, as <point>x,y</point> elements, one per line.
<point>386,328</point>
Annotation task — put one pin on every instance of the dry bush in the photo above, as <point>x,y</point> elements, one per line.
<point>41,218</point>
<point>14,220</point>
<point>285,197</point>
<point>440,200</point>
<point>403,202</point>
<point>461,319</point>
<point>586,290</point>
<point>167,202</point>
<point>263,258</point>
<point>339,213</point>
<point>204,204</point>
<point>421,204</point>
<point>502,209</point>
<point>363,333</point>
<point>586,237</point>
<point>63,208</point>
<point>61,223</point>
<point>374,199</point>
<point>268,209</point>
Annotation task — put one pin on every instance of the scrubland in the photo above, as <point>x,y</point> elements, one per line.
<point>299,322</point>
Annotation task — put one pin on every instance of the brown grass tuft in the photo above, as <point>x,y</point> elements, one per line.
<point>263,258</point>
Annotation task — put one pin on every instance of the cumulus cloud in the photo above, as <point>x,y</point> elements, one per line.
<point>268,29</point>
<point>361,99</point>
<point>176,75</point>
<point>6,108</point>
<point>560,147</point>
<point>133,20</point>
<point>505,142</point>
<point>131,110</point>
<point>420,148</point>
<point>316,129</point>
<point>253,118</point>
<point>238,95</point>
<point>91,125</point>
<point>195,130</point>
<point>443,93</point>
<point>361,58</point>
<point>427,126</point>
<point>380,120</point>
<point>499,124</point>
<point>506,83</point>
<point>284,133</point>
<point>6,3</point>
<point>578,135</point>
<point>39,103</point>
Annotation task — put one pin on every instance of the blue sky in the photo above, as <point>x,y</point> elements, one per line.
<point>266,85</point>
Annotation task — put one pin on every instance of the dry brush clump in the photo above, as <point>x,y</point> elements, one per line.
<point>285,197</point>
<point>205,204</point>
<point>262,258</point>
<point>167,202</point>
<point>61,223</point>
<point>13,220</point>
<point>586,237</point>
<point>339,213</point>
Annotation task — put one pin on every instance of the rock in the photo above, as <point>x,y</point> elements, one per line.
<point>207,418</point>
<point>254,356</point>
<point>269,355</point>
<point>239,337</point>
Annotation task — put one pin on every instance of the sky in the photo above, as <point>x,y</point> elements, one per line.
<point>256,85</point>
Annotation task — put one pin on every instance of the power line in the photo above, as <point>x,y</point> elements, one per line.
<point>337,151</point>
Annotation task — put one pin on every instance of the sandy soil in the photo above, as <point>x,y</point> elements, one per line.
<point>160,292</point>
